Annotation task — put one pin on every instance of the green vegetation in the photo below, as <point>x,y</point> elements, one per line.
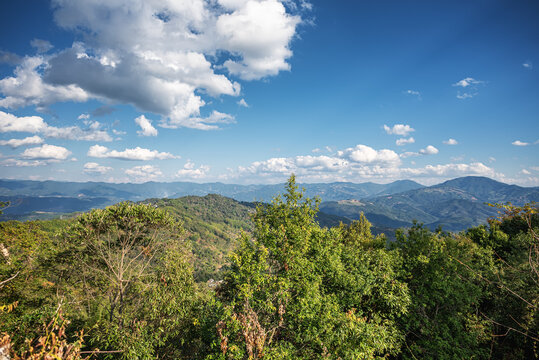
<point>129,282</point>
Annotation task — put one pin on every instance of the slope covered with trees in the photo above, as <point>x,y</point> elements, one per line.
<point>291,288</point>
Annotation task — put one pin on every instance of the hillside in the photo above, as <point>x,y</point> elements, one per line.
<point>47,199</point>
<point>455,204</point>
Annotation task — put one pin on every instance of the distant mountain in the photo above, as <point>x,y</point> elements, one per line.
<point>455,204</point>
<point>45,199</point>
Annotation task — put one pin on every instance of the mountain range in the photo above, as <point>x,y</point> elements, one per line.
<point>455,204</point>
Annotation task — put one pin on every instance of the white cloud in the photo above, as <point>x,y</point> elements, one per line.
<point>404,141</point>
<point>316,150</point>
<point>144,173</point>
<point>41,46</point>
<point>466,82</point>
<point>429,150</point>
<point>207,123</point>
<point>83,117</point>
<point>243,103</point>
<point>163,57</point>
<point>146,126</point>
<point>14,143</point>
<point>31,124</point>
<point>414,93</point>
<point>463,96</point>
<point>471,85</point>
<point>27,87</point>
<point>525,172</point>
<point>23,163</point>
<point>408,154</point>
<point>95,168</point>
<point>528,65</point>
<point>137,153</point>
<point>190,171</point>
<point>46,152</point>
<point>35,124</point>
<point>366,154</point>
<point>450,141</point>
<point>520,143</point>
<point>398,129</point>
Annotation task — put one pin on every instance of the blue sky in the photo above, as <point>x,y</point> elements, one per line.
<point>248,91</point>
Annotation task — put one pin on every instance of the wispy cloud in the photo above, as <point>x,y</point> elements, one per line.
<point>520,143</point>
<point>243,103</point>
<point>404,141</point>
<point>413,93</point>
<point>470,85</point>
<point>528,65</point>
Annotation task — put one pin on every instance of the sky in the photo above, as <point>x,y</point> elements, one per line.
<point>250,91</point>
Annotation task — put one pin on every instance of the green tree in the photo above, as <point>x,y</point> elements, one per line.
<point>444,273</point>
<point>296,290</point>
<point>130,280</point>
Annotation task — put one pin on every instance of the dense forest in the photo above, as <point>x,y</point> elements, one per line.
<point>191,278</point>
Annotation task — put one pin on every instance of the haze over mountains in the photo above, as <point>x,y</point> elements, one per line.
<point>455,204</point>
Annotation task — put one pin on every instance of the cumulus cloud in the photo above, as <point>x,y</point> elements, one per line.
<point>404,141</point>
<point>27,87</point>
<point>146,128</point>
<point>30,140</point>
<point>520,143</point>
<point>137,153</point>
<point>31,124</point>
<point>46,152</point>
<point>36,124</point>
<point>451,141</point>
<point>429,150</point>
<point>83,117</point>
<point>398,129</point>
<point>162,57</point>
<point>366,154</point>
<point>95,168</point>
<point>144,173</point>
<point>190,171</point>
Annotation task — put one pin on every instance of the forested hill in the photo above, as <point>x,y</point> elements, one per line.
<point>455,204</point>
<point>132,279</point>
<point>47,199</point>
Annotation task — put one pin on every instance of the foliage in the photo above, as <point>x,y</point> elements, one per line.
<point>296,290</point>
<point>443,275</point>
<point>291,288</point>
